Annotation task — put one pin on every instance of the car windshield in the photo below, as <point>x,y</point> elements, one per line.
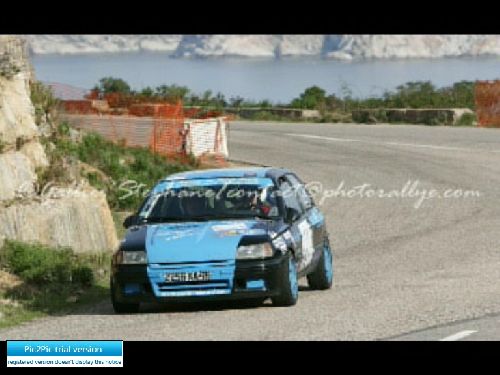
<point>211,200</point>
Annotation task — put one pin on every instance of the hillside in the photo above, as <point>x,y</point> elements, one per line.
<point>344,47</point>
<point>71,213</point>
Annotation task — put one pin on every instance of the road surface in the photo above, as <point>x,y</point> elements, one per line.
<point>403,270</point>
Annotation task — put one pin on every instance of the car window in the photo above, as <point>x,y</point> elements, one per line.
<point>212,201</point>
<point>289,197</point>
<point>303,196</point>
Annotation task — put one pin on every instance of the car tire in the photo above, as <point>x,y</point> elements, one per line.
<point>122,308</point>
<point>288,285</point>
<point>322,277</point>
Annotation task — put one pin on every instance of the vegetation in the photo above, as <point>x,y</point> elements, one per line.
<point>108,85</point>
<point>38,264</point>
<point>332,107</point>
<point>425,95</point>
<point>169,93</point>
<point>467,119</point>
<point>8,68</point>
<point>114,164</point>
<point>43,100</point>
<point>46,280</point>
<point>263,115</point>
<point>312,98</point>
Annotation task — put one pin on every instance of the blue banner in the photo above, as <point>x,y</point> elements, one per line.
<point>65,348</point>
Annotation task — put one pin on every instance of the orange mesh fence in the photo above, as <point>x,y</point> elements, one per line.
<point>78,106</point>
<point>191,112</point>
<point>487,98</point>
<point>117,100</point>
<point>127,130</point>
<point>168,135</point>
<point>161,127</point>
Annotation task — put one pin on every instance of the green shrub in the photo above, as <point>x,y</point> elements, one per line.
<point>8,68</point>
<point>37,263</point>
<point>440,119</point>
<point>63,129</point>
<point>109,85</point>
<point>82,275</point>
<point>120,164</point>
<point>467,119</point>
<point>42,265</point>
<point>43,100</point>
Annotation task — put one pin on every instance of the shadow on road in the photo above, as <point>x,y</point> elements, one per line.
<point>103,307</point>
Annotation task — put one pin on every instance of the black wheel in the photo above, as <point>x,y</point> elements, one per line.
<point>288,285</point>
<point>322,277</point>
<point>122,308</point>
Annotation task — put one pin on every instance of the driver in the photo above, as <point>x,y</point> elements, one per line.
<point>263,202</point>
<point>193,206</point>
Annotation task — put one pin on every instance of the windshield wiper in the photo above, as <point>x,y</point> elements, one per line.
<point>160,219</point>
<point>246,216</point>
<point>168,219</point>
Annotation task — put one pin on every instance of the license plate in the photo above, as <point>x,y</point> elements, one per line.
<point>187,276</point>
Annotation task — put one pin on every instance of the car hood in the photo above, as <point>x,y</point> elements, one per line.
<point>201,241</point>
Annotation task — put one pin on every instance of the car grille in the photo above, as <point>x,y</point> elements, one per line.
<point>220,282</point>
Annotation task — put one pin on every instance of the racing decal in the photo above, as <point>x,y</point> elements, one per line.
<point>315,217</point>
<point>198,242</point>
<point>280,244</point>
<point>231,229</point>
<point>307,244</point>
<point>295,237</point>
<point>257,232</point>
<point>174,232</point>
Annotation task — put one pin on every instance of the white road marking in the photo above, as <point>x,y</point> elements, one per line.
<point>458,336</point>
<point>447,148</point>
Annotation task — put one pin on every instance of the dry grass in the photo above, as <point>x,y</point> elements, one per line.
<point>8,281</point>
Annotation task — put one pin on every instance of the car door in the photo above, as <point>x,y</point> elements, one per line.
<point>312,225</point>
<point>299,228</point>
<point>290,201</point>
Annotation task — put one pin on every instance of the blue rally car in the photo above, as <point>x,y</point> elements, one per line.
<point>246,233</point>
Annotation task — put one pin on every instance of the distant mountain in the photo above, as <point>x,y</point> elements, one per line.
<point>67,92</point>
<point>345,47</point>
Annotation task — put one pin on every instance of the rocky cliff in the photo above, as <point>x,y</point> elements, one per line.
<point>76,216</point>
<point>345,47</point>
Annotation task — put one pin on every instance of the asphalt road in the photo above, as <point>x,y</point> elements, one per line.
<point>402,270</point>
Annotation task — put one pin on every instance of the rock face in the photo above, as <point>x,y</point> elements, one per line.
<point>79,216</point>
<point>79,219</point>
<point>345,47</point>
<point>16,118</point>
<point>17,175</point>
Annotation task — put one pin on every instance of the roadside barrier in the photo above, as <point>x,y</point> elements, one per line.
<point>487,98</point>
<point>161,127</point>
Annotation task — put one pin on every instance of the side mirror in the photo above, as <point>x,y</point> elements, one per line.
<point>292,214</point>
<point>130,221</point>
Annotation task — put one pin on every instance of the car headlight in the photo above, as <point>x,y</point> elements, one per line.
<point>131,257</point>
<point>261,250</point>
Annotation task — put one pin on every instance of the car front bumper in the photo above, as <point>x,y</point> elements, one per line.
<point>244,280</point>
